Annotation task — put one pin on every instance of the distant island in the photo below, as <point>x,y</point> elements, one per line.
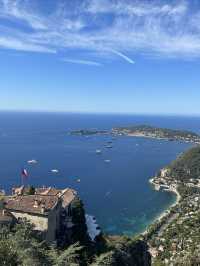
<point>87,132</point>
<point>143,131</point>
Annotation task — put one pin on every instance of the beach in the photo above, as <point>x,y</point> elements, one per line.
<point>165,212</point>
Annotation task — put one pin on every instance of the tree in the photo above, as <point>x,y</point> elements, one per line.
<point>21,246</point>
<point>105,259</point>
<point>70,257</point>
<point>78,218</point>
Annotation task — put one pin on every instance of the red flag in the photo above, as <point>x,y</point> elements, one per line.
<point>24,173</point>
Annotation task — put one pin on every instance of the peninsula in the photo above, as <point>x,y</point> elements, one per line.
<point>157,132</point>
<point>143,131</point>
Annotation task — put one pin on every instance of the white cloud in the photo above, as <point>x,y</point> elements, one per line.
<point>82,62</point>
<point>128,59</point>
<point>18,10</point>
<point>138,8</point>
<point>20,45</point>
<point>108,28</point>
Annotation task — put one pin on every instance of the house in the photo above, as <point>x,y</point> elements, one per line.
<point>164,172</point>
<point>48,209</point>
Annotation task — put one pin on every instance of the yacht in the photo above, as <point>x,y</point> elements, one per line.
<point>54,171</point>
<point>32,161</point>
<point>108,146</point>
<point>98,151</point>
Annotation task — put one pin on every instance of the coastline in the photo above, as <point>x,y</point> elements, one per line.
<point>165,212</point>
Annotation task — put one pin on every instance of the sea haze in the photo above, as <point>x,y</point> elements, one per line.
<point>116,192</point>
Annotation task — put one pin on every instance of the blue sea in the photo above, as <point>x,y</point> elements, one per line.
<point>117,193</point>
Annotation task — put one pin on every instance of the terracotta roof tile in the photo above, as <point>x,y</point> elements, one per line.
<point>32,203</point>
<point>68,195</point>
<point>47,191</point>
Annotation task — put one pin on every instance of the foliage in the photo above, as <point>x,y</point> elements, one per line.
<point>70,256</point>
<point>161,132</point>
<point>187,165</point>
<point>126,251</point>
<point>78,218</point>
<point>20,246</point>
<point>31,190</point>
<point>105,259</point>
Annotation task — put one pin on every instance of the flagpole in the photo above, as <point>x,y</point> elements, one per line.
<point>24,174</point>
<point>21,177</point>
<point>22,180</point>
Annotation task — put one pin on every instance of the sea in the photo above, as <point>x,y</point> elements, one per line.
<point>114,185</point>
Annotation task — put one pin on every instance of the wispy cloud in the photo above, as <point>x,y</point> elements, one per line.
<point>20,45</point>
<point>125,57</point>
<point>107,28</point>
<point>82,62</point>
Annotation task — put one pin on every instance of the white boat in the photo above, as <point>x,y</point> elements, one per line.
<point>108,146</point>
<point>107,161</point>
<point>98,151</point>
<point>54,171</point>
<point>32,161</point>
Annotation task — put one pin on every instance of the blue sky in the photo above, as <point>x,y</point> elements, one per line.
<point>113,56</point>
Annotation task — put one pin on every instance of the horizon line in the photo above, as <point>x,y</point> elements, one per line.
<point>97,113</point>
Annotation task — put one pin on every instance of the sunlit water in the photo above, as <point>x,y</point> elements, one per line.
<point>117,192</point>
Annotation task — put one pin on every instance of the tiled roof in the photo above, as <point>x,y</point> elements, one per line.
<point>68,195</point>
<point>38,204</point>
<point>47,191</point>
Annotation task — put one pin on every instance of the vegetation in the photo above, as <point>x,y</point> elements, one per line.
<point>175,239</point>
<point>31,190</point>
<point>21,246</point>
<point>78,218</point>
<point>159,132</point>
<point>179,243</point>
<point>186,166</point>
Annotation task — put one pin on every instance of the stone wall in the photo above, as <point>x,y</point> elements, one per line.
<point>53,223</point>
<point>50,225</point>
<point>41,223</point>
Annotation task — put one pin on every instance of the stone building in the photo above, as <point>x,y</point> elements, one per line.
<point>6,218</point>
<point>49,209</point>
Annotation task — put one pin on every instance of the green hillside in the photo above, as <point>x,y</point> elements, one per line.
<point>162,132</point>
<point>187,165</point>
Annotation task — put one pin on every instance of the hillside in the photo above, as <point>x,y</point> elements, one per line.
<point>22,246</point>
<point>186,166</point>
<point>156,132</point>
<point>174,239</point>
